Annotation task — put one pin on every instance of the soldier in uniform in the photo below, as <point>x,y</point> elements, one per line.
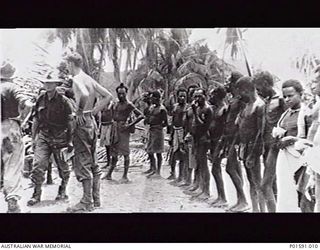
<point>122,126</point>
<point>51,131</point>
<point>157,119</point>
<point>14,111</point>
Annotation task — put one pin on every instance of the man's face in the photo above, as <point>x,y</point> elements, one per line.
<point>191,92</point>
<point>50,86</point>
<point>182,96</point>
<point>315,88</point>
<point>291,97</point>
<point>213,99</point>
<point>245,94</point>
<point>121,94</point>
<point>263,90</point>
<point>199,97</point>
<point>155,100</point>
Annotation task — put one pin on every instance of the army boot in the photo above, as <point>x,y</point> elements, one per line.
<point>36,196</point>
<point>96,191</point>
<point>85,205</point>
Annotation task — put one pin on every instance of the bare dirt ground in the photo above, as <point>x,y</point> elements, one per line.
<point>140,195</point>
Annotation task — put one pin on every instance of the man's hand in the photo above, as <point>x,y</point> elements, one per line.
<point>194,106</point>
<point>80,117</point>
<point>287,142</point>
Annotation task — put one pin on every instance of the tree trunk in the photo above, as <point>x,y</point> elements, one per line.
<point>85,48</point>
<point>101,60</point>
<point>135,60</point>
<point>127,65</point>
<point>120,60</point>
<point>115,62</point>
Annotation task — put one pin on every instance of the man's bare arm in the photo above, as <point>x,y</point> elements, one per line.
<point>105,100</point>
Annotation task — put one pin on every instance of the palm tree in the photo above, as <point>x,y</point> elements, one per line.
<point>234,41</point>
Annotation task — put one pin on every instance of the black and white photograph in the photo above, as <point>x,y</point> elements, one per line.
<point>160,120</point>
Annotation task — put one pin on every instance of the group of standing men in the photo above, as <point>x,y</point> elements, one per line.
<point>233,121</point>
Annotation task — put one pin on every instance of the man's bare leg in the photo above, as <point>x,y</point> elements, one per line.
<point>124,178</point>
<point>196,183</point>
<point>254,177</point>
<point>152,165</point>
<point>233,169</point>
<point>108,156</point>
<point>205,179</point>
<point>270,161</point>
<point>185,178</point>
<point>159,164</point>
<point>173,168</point>
<point>114,160</point>
<point>217,174</point>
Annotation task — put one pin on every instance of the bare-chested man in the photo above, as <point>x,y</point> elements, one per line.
<point>250,121</point>
<point>122,127</point>
<point>274,108</point>
<point>202,117</point>
<point>156,117</point>
<point>177,137</point>
<point>229,141</point>
<point>219,108</point>
<point>191,163</point>
<point>86,168</point>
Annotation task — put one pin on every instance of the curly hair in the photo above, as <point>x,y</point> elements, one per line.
<point>245,82</point>
<point>75,57</point>
<point>264,78</point>
<point>181,90</point>
<point>121,86</point>
<point>294,84</point>
<point>220,92</point>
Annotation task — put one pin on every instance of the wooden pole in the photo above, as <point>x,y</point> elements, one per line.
<point>244,53</point>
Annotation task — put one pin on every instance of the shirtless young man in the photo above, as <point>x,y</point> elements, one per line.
<point>122,111</point>
<point>190,163</point>
<point>274,108</point>
<point>86,168</point>
<point>156,118</point>
<point>229,141</point>
<point>219,108</point>
<point>202,117</point>
<point>250,121</point>
<point>177,137</point>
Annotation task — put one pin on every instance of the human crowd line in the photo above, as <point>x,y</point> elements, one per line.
<point>273,138</point>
